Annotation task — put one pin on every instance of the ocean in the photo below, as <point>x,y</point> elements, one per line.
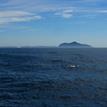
<point>53,77</point>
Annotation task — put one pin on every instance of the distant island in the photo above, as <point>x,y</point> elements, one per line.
<point>74,45</point>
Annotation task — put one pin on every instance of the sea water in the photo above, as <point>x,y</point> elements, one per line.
<point>53,77</point>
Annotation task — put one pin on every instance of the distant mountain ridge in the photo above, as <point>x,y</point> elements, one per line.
<point>74,45</point>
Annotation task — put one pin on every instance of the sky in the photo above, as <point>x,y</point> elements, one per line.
<point>51,22</point>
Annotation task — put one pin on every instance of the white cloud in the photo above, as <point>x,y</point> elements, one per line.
<point>24,19</point>
<point>13,14</point>
<point>17,16</point>
<point>68,13</point>
<point>102,11</point>
<point>27,10</point>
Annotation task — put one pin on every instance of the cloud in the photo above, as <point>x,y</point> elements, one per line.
<point>102,11</point>
<point>17,16</point>
<point>65,13</point>
<point>13,14</point>
<point>28,10</point>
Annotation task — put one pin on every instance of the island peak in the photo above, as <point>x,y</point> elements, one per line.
<point>74,45</point>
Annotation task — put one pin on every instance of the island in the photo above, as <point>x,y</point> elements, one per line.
<point>74,45</point>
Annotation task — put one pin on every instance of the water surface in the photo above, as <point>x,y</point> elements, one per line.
<point>44,77</point>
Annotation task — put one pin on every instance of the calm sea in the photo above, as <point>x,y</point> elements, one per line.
<point>53,77</point>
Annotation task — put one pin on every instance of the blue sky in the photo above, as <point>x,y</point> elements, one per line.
<point>51,22</point>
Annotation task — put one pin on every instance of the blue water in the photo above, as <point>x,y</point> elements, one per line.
<point>44,77</point>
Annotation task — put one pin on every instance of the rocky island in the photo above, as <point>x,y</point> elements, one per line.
<point>74,45</point>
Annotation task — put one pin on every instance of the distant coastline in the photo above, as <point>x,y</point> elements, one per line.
<point>62,45</point>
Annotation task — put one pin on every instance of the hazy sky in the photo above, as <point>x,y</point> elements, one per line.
<point>51,22</point>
